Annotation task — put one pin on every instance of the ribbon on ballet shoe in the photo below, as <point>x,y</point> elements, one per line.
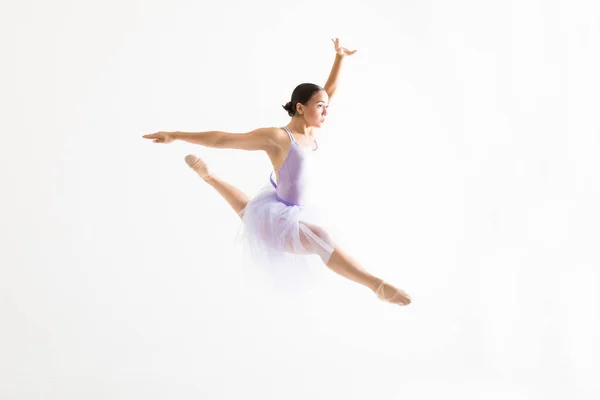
<point>379,290</point>
<point>381,295</point>
<point>198,166</point>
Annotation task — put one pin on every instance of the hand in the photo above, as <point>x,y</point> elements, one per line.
<point>342,51</point>
<point>161,137</point>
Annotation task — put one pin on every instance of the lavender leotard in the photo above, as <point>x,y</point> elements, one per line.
<point>293,175</point>
<point>281,222</point>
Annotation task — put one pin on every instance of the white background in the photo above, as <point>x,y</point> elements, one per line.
<point>460,162</point>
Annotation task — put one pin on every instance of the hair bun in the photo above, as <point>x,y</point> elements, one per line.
<point>288,107</point>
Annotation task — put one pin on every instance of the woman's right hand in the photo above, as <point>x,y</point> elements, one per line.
<point>161,137</point>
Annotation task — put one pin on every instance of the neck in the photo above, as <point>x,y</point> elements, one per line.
<point>298,125</point>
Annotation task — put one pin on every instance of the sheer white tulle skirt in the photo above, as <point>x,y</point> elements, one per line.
<point>279,235</point>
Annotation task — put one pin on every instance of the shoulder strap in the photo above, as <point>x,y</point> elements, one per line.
<point>289,133</point>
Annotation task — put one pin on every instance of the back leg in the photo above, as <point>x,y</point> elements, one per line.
<point>234,196</point>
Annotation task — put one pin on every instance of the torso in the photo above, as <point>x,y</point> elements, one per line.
<point>278,154</point>
<point>294,169</point>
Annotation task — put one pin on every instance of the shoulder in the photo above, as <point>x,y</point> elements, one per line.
<point>267,139</point>
<point>275,135</point>
<point>280,143</point>
<point>268,131</point>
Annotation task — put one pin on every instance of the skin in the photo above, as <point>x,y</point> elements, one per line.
<point>275,142</point>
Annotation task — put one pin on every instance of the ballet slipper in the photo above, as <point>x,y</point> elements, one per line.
<point>396,298</point>
<point>198,165</point>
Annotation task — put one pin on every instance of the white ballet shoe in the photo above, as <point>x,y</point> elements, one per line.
<point>198,165</point>
<point>400,297</point>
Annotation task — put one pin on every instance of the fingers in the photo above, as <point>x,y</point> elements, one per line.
<point>342,50</point>
<point>336,43</point>
<point>157,137</point>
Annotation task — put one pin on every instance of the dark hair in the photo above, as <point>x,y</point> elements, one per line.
<point>302,94</point>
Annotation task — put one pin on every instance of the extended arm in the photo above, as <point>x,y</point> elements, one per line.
<point>258,139</point>
<point>332,82</point>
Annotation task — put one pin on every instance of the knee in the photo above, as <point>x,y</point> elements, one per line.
<point>317,240</point>
<point>314,230</point>
<point>322,234</point>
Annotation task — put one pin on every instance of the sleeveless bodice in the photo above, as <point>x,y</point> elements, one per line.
<point>294,175</point>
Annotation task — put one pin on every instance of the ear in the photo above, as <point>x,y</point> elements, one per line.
<point>299,109</point>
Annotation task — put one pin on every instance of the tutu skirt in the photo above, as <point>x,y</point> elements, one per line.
<point>279,235</point>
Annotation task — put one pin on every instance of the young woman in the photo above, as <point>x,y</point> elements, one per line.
<point>279,220</point>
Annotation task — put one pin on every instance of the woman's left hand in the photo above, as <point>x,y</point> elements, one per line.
<point>342,51</point>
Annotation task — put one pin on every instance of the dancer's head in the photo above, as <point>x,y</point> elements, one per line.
<point>309,102</point>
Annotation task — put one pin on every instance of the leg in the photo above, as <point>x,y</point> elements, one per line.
<point>234,196</point>
<point>342,264</point>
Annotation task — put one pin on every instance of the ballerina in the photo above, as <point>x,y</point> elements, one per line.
<point>280,219</point>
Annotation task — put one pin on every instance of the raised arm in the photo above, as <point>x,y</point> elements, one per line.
<point>332,82</point>
<point>258,139</point>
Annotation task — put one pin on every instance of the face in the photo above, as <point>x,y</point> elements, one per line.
<point>315,111</point>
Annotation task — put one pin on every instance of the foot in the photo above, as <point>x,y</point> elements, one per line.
<point>198,165</point>
<point>391,294</point>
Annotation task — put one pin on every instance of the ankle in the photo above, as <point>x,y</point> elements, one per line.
<point>210,179</point>
<point>375,284</point>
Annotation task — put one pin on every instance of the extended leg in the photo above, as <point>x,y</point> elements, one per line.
<point>342,264</point>
<point>234,196</point>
